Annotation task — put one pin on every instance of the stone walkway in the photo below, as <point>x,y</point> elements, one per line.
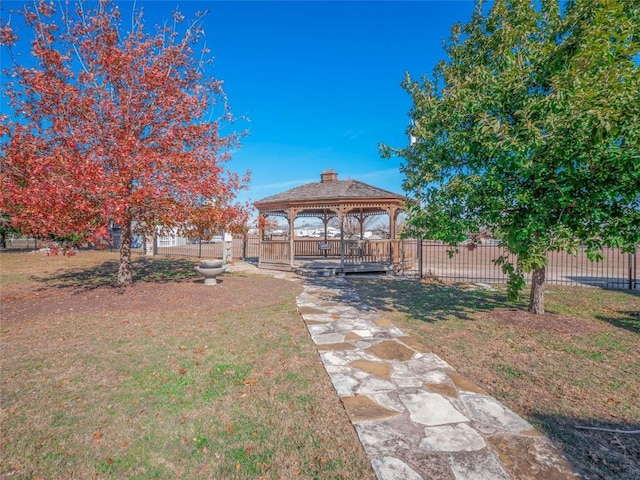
<point>416,417</point>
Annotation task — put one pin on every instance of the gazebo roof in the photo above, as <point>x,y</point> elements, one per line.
<point>330,189</point>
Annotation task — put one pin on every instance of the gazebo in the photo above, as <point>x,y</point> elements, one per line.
<point>328,199</point>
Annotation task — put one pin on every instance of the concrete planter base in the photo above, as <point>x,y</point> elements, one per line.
<point>210,269</point>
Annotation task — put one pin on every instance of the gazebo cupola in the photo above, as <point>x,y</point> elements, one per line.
<point>329,176</point>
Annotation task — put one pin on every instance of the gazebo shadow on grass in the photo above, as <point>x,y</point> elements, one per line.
<point>144,269</point>
<point>427,302</point>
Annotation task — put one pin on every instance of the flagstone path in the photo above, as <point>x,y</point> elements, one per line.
<point>416,417</point>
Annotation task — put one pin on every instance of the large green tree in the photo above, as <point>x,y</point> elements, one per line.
<point>530,129</point>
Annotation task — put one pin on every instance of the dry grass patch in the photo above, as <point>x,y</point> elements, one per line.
<point>164,379</point>
<point>575,366</point>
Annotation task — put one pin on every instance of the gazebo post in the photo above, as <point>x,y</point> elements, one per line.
<point>341,221</point>
<point>292,214</point>
<point>260,240</point>
<point>392,212</point>
<point>292,245</point>
<point>325,221</point>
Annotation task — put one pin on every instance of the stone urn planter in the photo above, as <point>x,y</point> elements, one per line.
<point>210,269</point>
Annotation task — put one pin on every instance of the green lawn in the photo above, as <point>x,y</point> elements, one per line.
<point>165,379</point>
<point>575,366</point>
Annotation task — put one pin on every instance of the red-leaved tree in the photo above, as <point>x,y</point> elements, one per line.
<point>114,126</point>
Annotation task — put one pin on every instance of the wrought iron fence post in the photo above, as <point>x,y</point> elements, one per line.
<point>632,269</point>
<point>420,255</point>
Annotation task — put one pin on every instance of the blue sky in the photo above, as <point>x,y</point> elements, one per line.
<point>318,81</point>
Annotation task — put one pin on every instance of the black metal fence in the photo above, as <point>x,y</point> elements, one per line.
<point>112,242</point>
<point>618,270</point>
<point>431,259</point>
<point>427,259</point>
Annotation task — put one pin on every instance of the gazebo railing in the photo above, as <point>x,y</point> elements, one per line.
<point>368,251</point>
<point>355,251</point>
<point>275,252</point>
<point>317,247</point>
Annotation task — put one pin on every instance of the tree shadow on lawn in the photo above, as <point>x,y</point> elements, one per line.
<point>144,269</point>
<point>427,302</point>
<point>630,321</point>
<point>594,453</point>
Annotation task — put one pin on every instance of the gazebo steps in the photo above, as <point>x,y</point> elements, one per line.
<point>332,270</point>
<point>275,266</point>
<point>317,272</point>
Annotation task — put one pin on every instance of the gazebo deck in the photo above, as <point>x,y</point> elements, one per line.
<point>330,267</point>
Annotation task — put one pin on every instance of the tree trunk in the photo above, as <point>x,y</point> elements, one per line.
<point>124,272</point>
<point>536,301</point>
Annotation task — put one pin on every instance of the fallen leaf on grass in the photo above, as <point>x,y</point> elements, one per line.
<point>250,381</point>
<point>97,436</point>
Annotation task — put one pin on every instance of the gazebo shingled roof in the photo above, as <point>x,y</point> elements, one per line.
<point>339,189</point>
<point>315,197</point>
